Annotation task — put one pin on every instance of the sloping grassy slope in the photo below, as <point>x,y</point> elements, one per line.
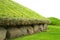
<point>53,33</point>
<point>54,21</point>
<point>10,9</point>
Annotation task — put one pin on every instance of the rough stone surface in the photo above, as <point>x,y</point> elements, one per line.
<point>23,30</point>
<point>45,27</point>
<point>30,30</point>
<point>2,33</point>
<point>17,31</point>
<point>13,33</point>
<point>36,28</point>
<point>9,21</point>
<point>41,28</point>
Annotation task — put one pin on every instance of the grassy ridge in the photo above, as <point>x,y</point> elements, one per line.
<point>10,9</point>
<point>54,21</point>
<point>53,33</point>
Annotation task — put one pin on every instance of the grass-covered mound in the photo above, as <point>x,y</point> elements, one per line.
<point>13,13</point>
<point>10,9</point>
<point>54,21</point>
<point>18,20</point>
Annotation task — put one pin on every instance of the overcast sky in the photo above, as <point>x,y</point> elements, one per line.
<point>47,8</point>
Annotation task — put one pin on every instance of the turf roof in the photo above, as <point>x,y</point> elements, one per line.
<point>11,9</point>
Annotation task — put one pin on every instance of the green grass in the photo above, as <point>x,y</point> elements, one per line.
<point>53,33</point>
<point>54,21</point>
<point>11,9</point>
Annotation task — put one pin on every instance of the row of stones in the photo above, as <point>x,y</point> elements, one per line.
<point>6,21</point>
<point>15,32</point>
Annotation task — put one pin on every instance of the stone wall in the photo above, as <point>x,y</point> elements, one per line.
<point>18,31</point>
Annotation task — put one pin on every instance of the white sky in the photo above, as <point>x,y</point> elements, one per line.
<point>47,8</point>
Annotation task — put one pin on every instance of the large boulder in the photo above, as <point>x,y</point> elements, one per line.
<point>30,30</point>
<point>41,28</point>
<point>13,33</point>
<point>23,30</point>
<point>45,27</point>
<point>36,28</point>
<point>2,33</point>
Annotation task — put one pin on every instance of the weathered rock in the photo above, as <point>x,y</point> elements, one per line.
<point>13,33</point>
<point>23,30</point>
<point>45,27</point>
<point>36,28</point>
<point>20,30</point>
<point>16,21</point>
<point>2,33</point>
<point>30,30</point>
<point>41,28</point>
